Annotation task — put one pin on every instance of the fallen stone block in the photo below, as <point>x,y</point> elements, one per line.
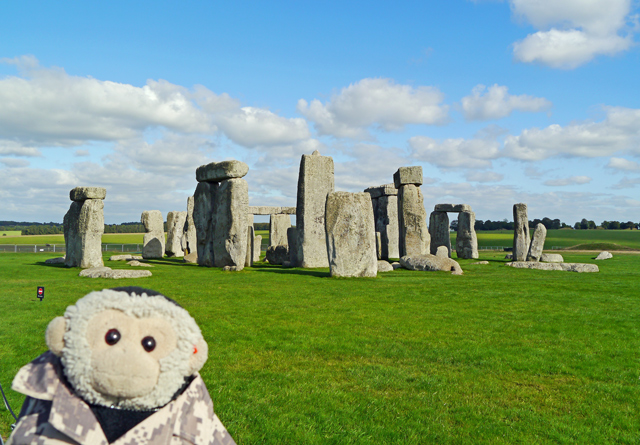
<point>125,257</point>
<point>569,267</point>
<point>481,262</point>
<point>551,258</point>
<point>58,260</point>
<point>277,254</point>
<point>107,272</point>
<point>384,266</point>
<point>137,263</point>
<point>430,262</point>
<point>604,255</point>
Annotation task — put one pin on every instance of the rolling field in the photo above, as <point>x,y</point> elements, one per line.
<point>497,355</point>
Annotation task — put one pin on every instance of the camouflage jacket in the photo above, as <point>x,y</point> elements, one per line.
<point>52,414</point>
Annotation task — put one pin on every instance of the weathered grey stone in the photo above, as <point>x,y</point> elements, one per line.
<point>257,247</point>
<point>569,267</point>
<point>232,269</point>
<point>221,171</point>
<point>292,238</point>
<point>175,231</point>
<point>537,243</point>
<point>189,240</point>
<point>315,182</point>
<point>278,226</point>
<point>136,263</point>
<point>414,236</point>
<point>384,266</point>
<point>520,232</point>
<point>396,265</point>
<point>508,256</point>
<point>153,241</point>
<point>83,228</point>
<point>382,190</point>
<point>430,262</point>
<point>59,260</point>
<point>604,255</point>
<point>251,239</point>
<point>84,193</point>
<point>350,232</point>
<point>271,210</point>
<point>439,232</point>
<point>466,240</point>
<point>190,257</point>
<point>277,254</point>
<point>232,220</point>
<point>442,252</point>
<point>126,257</point>
<point>204,221</point>
<point>107,272</point>
<point>453,208</point>
<point>387,225</point>
<point>481,262</point>
<point>551,258</point>
<point>408,175</point>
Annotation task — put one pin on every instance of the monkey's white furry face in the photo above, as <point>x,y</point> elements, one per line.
<point>129,351</point>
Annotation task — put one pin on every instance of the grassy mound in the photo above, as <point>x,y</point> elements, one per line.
<point>599,246</point>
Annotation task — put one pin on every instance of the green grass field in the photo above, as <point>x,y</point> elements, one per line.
<point>4,233</point>
<point>497,355</point>
<point>497,238</point>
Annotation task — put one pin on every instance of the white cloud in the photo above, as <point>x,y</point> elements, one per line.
<point>572,32</point>
<point>619,131</point>
<point>13,148</point>
<point>46,106</point>
<point>14,163</point>
<point>375,102</point>
<point>79,153</point>
<point>623,164</point>
<point>484,176</point>
<point>253,127</point>
<point>496,103</point>
<point>573,180</point>
<point>452,153</point>
<point>626,183</point>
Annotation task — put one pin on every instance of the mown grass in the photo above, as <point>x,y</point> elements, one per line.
<point>497,355</point>
<point>10,233</point>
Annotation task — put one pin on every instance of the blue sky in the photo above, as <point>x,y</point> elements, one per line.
<point>500,102</point>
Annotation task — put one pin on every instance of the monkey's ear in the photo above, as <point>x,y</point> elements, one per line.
<point>200,354</point>
<point>55,335</point>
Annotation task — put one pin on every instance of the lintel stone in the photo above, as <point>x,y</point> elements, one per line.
<point>453,208</point>
<point>271,210</point>
<point>83,193</point>
<point>219,171</point>
<point>382,190</point>
<point>408,175</point>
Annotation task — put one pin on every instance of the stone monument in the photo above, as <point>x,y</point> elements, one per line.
<point>83,227</point>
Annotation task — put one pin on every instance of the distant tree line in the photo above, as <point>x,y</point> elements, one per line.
<point>551,224</point>
<point>585,224</point>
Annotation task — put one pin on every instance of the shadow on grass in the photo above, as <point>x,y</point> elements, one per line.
<point>288,270</point>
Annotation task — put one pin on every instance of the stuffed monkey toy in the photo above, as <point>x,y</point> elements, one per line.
<point>122,368</point>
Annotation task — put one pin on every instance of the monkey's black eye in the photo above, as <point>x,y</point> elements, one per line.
<point>112,337</point>
<point>149,344</point>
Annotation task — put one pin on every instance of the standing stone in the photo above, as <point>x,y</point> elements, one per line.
<point>189,237</point>
<point>467,240</point>
<point>414,236</point>
<point>408,175</point>
<point>292,237</point>
<point>257,247</point>
<point>231,221</point>
<point>350,235</point>
<point>278,226</point>
<point>387,225</point>
<point>83,227</point>
<point>153,241</point>
<point>175,229</point>
<point>251,238</point>
<point>442,252</point>
<point>204,221</point>
<point>520,232</point>
<point>439,232</point>
<point>537,243</point>
<point>315,182</point>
